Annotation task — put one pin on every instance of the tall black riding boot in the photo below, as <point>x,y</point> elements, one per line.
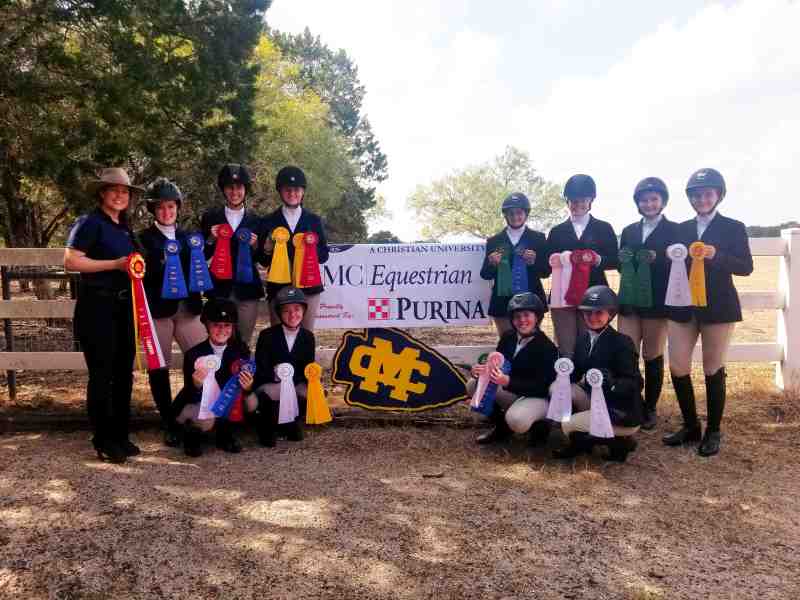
<point>192,440</point>
<point>579,443</point>
<point>225,439</point>
<point>162,396</point>
<point>619,447</point>
<point>500,432</point>
<point>538,434</point>
<point>690,432</point>
<point>715,399</point>
<point>653,382</point>
<point>267,420</point>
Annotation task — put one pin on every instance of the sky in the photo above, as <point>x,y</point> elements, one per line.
<point>621,90</point>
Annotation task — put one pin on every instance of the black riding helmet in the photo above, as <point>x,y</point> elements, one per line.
<point>651,184</point>
<point>600,297</point>
<point>707,178</point>
<point>516,200</point>
<point>526,301</point>
<point>580,186</point>
<point>219,310</point>
<point>290,176</point>
<point>234,173</point>
<point>162,189</point>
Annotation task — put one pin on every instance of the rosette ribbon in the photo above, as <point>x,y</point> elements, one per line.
<point>486,390</point>
<point>566,275</point>
<point>644,297</point>
<point>310,275</point>
<point>199,277</point>
<point>211,363</point>
<point>145,339</point>
<point>297,265</point>
<point>582,262</point>
<point>697,273</point>
<point>556,297</point>
<point>629,284</point>
<point>519,270</point>
<point>317,410</point>
<point>221,265</point>
<point>244,257</point>
<point>279,271</point>
<point>173,286</point>
<point>502,285</point>
<point>678,292</point>
<point>599,421</point>
<point>288,409</point>
<point>560,407</point>
<point>231,395</point>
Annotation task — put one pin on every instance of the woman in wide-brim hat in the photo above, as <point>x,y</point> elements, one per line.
<point>98,248</point>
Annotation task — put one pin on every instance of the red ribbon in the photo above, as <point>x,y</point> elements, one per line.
<point>582,263</point>
<point>141,314</point>
<point>309,275</point>
<point>221,262</point>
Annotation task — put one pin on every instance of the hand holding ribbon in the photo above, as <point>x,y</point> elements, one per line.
<point>678,293</point>
<point>279,271</point>
<point>599,421</point>
<point>199,277</point>
<point>560,407</point>
<point>288,410</point>
<point>317,410</point>
<point>221,266</point>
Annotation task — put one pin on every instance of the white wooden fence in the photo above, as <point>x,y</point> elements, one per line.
<point>784,351</point>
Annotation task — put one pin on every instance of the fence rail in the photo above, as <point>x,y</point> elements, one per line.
<point>785,351</point>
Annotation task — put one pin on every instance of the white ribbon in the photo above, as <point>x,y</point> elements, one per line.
<point>599,421</point>
<point>560,408</point>
<point>211,389</point>
<point>566,275</point>
<point>678,292</point>
<point>288,410</point>
<point>556,297</point>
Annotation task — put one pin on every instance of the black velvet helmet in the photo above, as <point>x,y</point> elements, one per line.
<point>526,301</point>
<point>516,200</point>
<point>290,295</point>
<point>219,310</point>
<point>580,186</point>
<point>707,178</point>
<point>234,173</point>
<point>651,184</point>
<point>290,176</point>
<point>600,297</point>
<point>162,189</point>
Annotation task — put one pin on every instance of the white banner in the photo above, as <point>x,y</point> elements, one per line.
<point>403,285</point>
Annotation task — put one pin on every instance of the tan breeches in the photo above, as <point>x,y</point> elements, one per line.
<point>309,317</point>
<point>715,339</point>
<point>568,325</point>
<point>183,327</point>
<point>581,418</point>
<point>521,412</point>
<point>649,335</point>
<point>247,312</point>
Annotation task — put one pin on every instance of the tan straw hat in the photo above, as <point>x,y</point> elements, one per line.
<point>112,176</point>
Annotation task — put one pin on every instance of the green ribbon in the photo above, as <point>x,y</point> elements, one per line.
<point>645,295</point>
<point>503,286</point>
<point>629,283</point>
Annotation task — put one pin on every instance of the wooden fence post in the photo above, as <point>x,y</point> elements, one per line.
<point>787,374</point>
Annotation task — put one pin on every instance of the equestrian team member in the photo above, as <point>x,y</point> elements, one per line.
<point>647,326</point>
<point>219,317</point>
<point>235,183</point>
<point>515,240</point>
<point>174,319</point>
<point>291,186</point>
<point>286,342</point>
<point>521,401</point>
<point>98,248</point>
<point>580,231</point>
<point>727,254</point>
<point>602,347</point>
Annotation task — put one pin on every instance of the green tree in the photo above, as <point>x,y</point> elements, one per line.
<point>468,200</point>
<point>384,237</point>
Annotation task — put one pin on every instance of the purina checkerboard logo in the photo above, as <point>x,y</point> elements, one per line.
<point>378,309</point>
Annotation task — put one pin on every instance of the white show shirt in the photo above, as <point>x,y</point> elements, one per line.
<point>234,217</point>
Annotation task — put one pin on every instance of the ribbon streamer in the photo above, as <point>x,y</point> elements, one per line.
<point>232,390</point>
<point>560,408</point>
<point>199,277</point>
<point>629,283</point>
<point>173,286</point>
<point>297,265</point>
<point>279,271</point>
<point>317,410</point>
<point>697,273</point>
<point>582,262</point>
<point>519,270</point>
<point>599,421</point>
<point>556,297</point>
<point>210,392</point>
<point>142,319</point>
<point>502,286</point>
<point>221,266</point>
<point>566,275</point>
<point>484,403</point>
<point>288,410</point>
<point>310,275</point>
<point>244,257</point>
<point>644,297</point>
<point>678,292</point>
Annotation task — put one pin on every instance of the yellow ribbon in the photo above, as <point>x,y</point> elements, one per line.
<point>317,411</point>
<point>279,271</point>
<point>297,267</point>
<point>697,274</point>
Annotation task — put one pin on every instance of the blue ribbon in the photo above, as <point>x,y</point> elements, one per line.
<point>519,270</point>
<point>244,261</point>
<point>174,284</point>
<point>199,277</point>
<point>486,405</point>
<point>222,405</point>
